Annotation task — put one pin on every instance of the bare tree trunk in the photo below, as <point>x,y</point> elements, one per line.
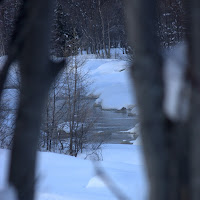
<point>47,128</point>
<point>103,28</point>
<point>53,124</point>
<point>166,143</point>
<point>2,45</point>
<point>108,39</point>
<point>194,49</point>
<point>37,73</point>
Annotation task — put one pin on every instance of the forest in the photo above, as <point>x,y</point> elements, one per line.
<point>95,26</point>
<point>99,99</point>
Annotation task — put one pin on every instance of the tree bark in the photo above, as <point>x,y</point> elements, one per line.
<point>103,28</point>
<point>194,49</point>
<point>37,74</point>
<point>166,143</point>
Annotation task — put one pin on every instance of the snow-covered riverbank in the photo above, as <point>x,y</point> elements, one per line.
<point>111,83</point>
<point>62,177</point>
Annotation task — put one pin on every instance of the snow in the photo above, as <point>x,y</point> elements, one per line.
<point>8,193</point>
<point>136,129</point>
<point>65,126</point>
<point>138,141</point>
<point>113,66</point>
<point>111,83</point>
<point>95,182</point>
<point>62,177</point>
<point>110,77</point>
<point>135,111</point>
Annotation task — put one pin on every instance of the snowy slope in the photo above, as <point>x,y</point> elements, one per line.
<point>61,177</point>
<point>111,83</point>
<point>109,77</point>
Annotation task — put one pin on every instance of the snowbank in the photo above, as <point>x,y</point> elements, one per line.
<point>135,130</point>
<point>111,83</point>
<point>62,177</point>
<point>8,194</point>
<point>95,182</point>
<point>65,126</point>
<point>134,111</point>
<point>110,77</point>
<point>138,141</point>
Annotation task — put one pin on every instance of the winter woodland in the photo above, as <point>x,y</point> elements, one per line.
<point>99,99</point>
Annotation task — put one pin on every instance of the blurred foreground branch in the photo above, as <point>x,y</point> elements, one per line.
<point>171,147</point>
<point>116,191</point>
<point>37,72</point>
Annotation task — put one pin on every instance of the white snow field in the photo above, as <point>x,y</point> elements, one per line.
<point>62,177</point>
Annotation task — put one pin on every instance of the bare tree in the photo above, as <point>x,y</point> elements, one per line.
<point>53,116</point>
<point>171,146</point>
<point>6,129</point>
<point>78,106</point>
<point>37,74</point>
<point>69,115</point>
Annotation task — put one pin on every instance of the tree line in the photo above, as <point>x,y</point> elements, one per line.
<point>91,26</point>
<point>94,26</point>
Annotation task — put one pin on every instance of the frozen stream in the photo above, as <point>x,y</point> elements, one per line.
<point>111,124</point>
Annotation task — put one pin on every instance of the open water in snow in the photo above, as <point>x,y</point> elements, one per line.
<point>111,124</point>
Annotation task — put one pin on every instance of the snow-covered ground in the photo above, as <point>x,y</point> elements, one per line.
<point>62,177</point>
<point>110,80</point>
<point>111,83</point>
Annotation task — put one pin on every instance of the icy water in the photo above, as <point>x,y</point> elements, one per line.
<point>111,124</point>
